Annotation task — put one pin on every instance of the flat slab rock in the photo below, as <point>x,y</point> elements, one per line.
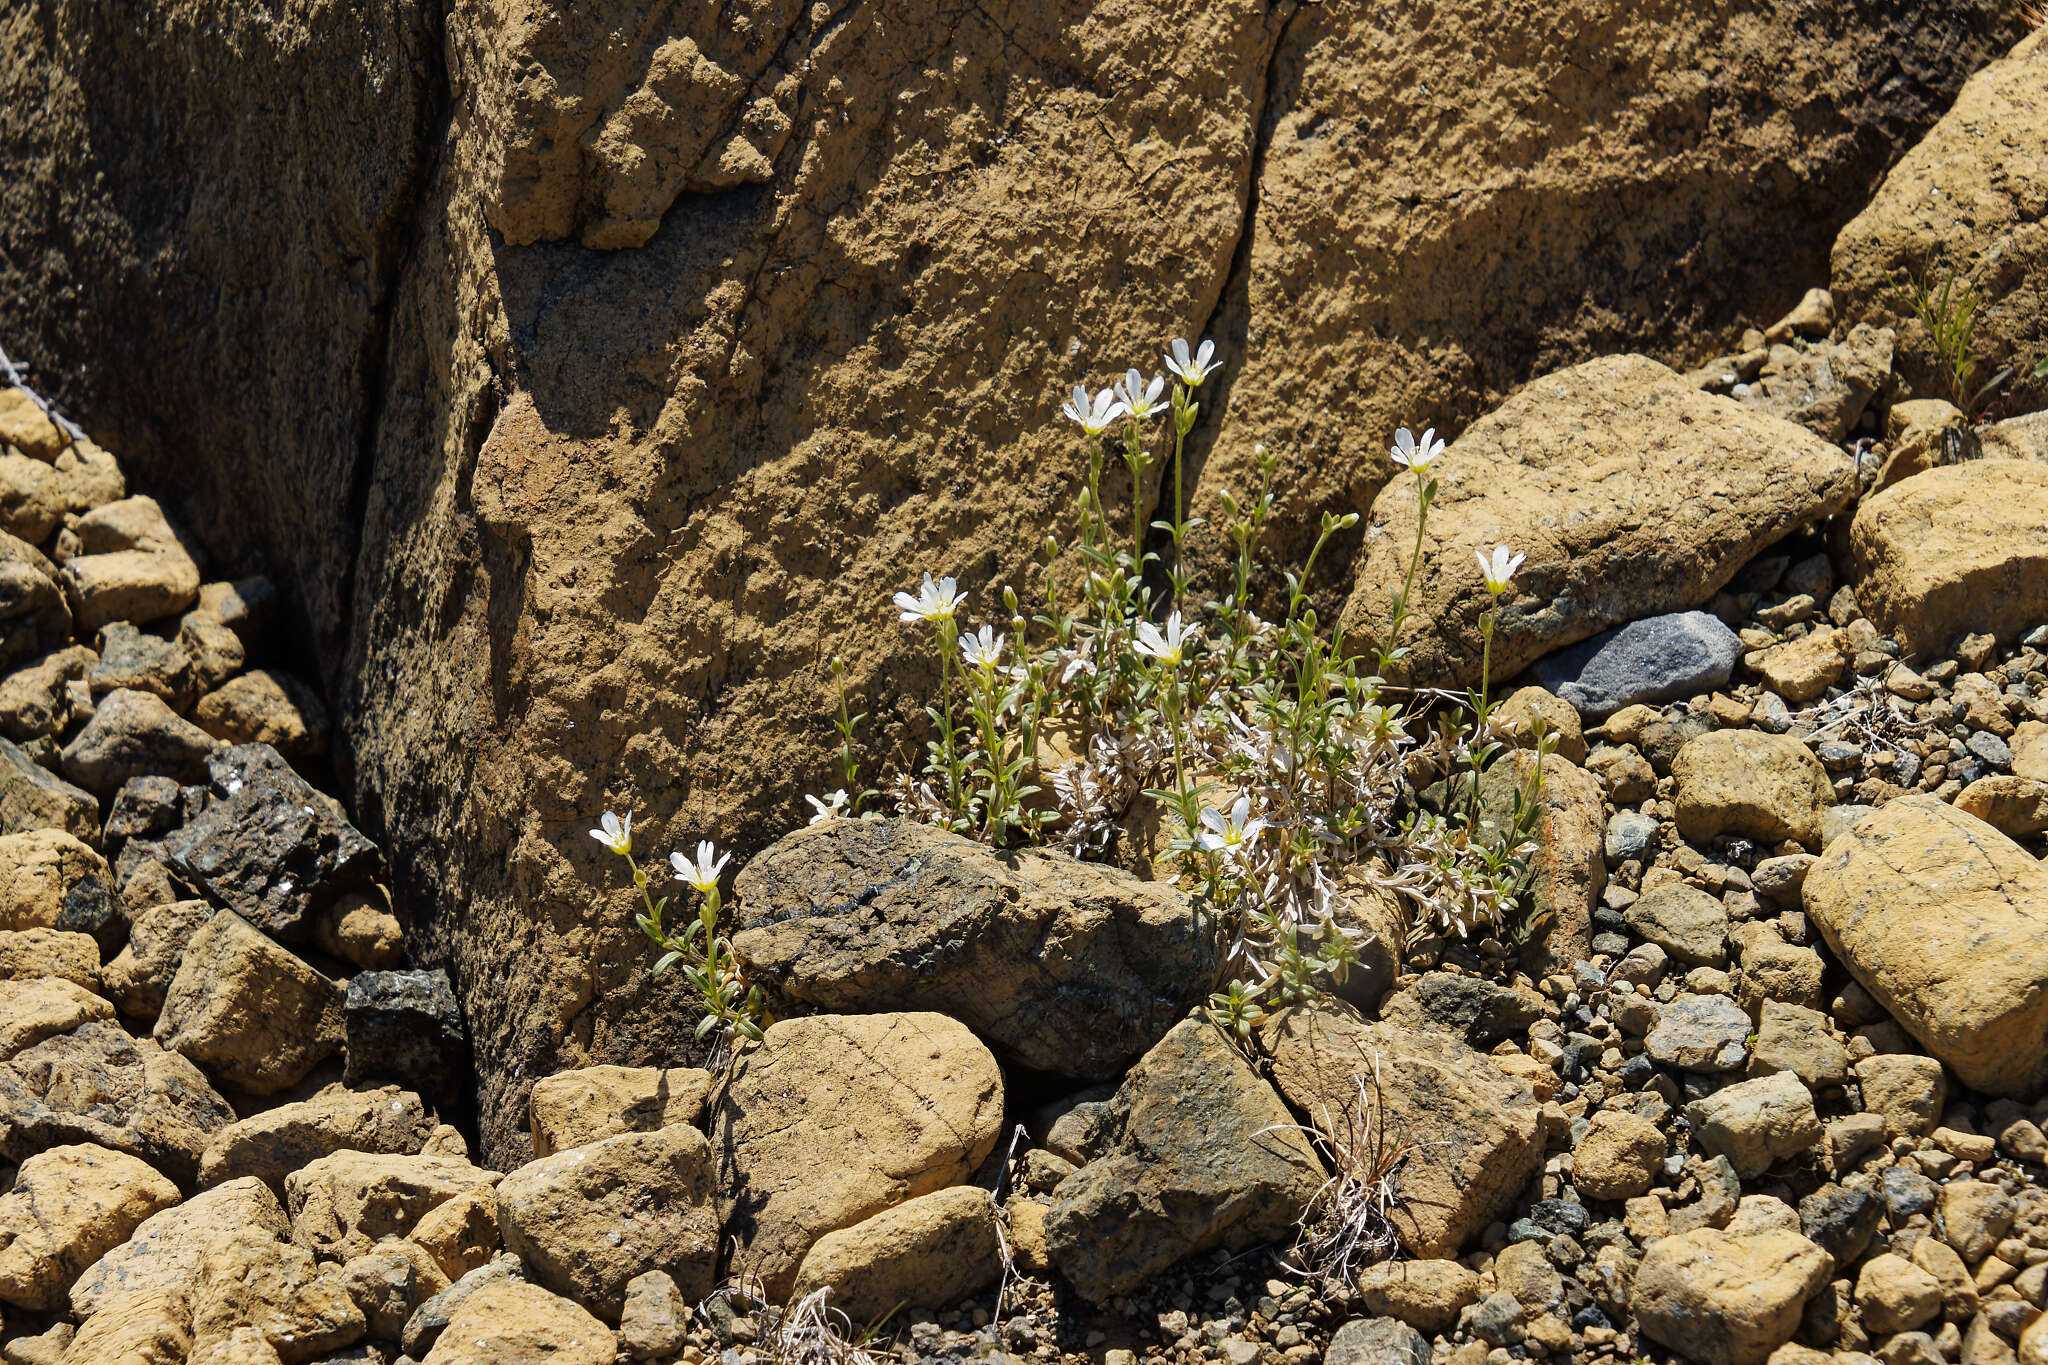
<point>1062,966</point>
<point>1632,493</point>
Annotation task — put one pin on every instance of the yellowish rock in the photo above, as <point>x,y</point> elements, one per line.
<point>1723,1300</point>
<point>165,1251</point>
<point>151,1328</point>
<point>571,1108</point>
<point>43,874</point>
<point>1750,783</point>
<point>1941,918</point>
<point>266,706</point>
<point>1801,670</point>
<point>2010,804</point>
<point>344,1203</point>
<point>248,1278</point>
<point>460,1233</point>
<point>1427,1295</point>
<point>70,1206</point>
<point>927,1252</point>
<point>44,1007</point>
<point>522,1324</point>
<point>30,953</point>
<point>25,426</point>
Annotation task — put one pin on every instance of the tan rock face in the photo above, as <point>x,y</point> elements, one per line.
<point>166,1250</point>
<point>1955,551</point>
<point>47,877</point>
<point>834,1118</point>
<point>1750,783</point>
<point>29,953</point>
<point>152,1328</point>
<point>1619,1156</point>
<point>522,1324</point>
<point>267,707</point>
<point>929,1251</point>
<point>70,1206</point>
<point>588,1220</point>
<point>571,1108</point>
<point>272,1144</point>
<point>1941,919</point>
<point>249,1279</point>
<point>1473,1130</point>
<point>344,1203</point>
<point>44,1007</point>
<point>460,1234</point>
<point>1593,472</point>
<point>1726,1300</point>
<point>1499,237</point>
<point>252,1013</point>
<point>1427,1295</point>
<point>1968,195</point>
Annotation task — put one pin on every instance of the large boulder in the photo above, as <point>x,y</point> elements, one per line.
<point>1939,917</point>
<point>833,1118</point>
<point>1060,965</point>
<point>1201,1153</point>
<point>1966,198</point>
<point>593,1102</point>
<point>1632,493</point>
<point>929,1251</point>
<point>68,1207</point>
<point>507,479</point>
<point>1960,550</point>
<point>165,1250</point>
<point>1472,1132</point>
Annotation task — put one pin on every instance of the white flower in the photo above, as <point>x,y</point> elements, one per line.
<point>1191,371</point>
<point>1141,402</point>
<point>1168,646</point>
<point>833,806</point>
<point>933,600</point>
<point>1410,453</point>
<point>983,649</point>
<point>1498,569</point>
<point>616,834</point>
<point>1095,416</point>
<point>1230,833</point>
<point>703,873</point>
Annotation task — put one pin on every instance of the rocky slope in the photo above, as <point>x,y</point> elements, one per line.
<point>597,376</point>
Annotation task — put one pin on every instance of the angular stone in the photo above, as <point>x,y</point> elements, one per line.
<point>1905,1091</point>
<point>34,798</point>
<point>1756,1123</point>
<point>133,659</point>
<point>70,1206</point>
<point>1065,966</point>
<point>29,953</point>
<point>35,699</point>
<point>1619,1157</point>
<point>571,1108</point>
<point>272,1144</point>
<point>1201,1156</point>
<point>1751,784</point>
<point>1567,871</point>
<point>833,1118</point>
<point>1940,917</point>
<point>51,880</point>
<point>1803,669</point>
<point>405,1027</point>
<point>1956,551</point>
<point>266,706</point>
<point>521,1324</point>
<point>1634,493</point>
<point>1826,385</point>
<point>1894,1295</point>
<point>140,976</point>
<point>360,929</point>
<point>2014,806</point>
<point>1797,1039</point>
<point>1687,923</point>
<point>43,1007</point>
<point>656,1318</point>
<point>35,618</point>
<point>588,1220</point>
<point>389,1283</point>
<point>135,567</point>
<point>1484,1127</point>
<point>1724,1300</point>
<point>1377,1341</point>
<point>27,427</point>
<point>1659,658</point>
<point>430,1319</point>
<point>460,1234</point>
<point>165,1251</point>
<point>343,1203</point>
<point>1706,1033</point>
<point>152,1328</point>
<point>96,1084</point>
<point>1841,1219</point>
<point>269,847</point>
<point>134,734</point>
<point>147,808</point>
<point>249,1279</point>
<point>249,1011</point>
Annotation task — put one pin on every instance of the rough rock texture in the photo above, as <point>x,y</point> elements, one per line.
<point>531,445</point>
<point>1727,1300</point>
<point>344,1203</point>
<point>521,1324</point>
<point>833,1118</point>
<point>1945,922</point>
<point>247,1279</point>
<point>571,1108</point>
<point>1062,966</point>
<point>1632,493</point>
<point>588,1220</point>
<point>68,1207</point>
<point>247,1010</point>
<point>1199,1156</point>
<point>1483,1135</point>
<point>1969,196</point>
<point>1751,784</point>
<point>930,1252</point>
<point>272,1144</point>
<point>165,1251</point>
<point>1956,551</point>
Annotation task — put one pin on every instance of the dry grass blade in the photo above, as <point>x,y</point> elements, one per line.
<point>807,1332</point>
<point>1349,1225</point>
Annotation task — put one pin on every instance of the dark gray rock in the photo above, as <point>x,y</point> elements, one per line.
<point>1685,922</point>
<point>268,846</point>
<point>1656,659</point>
<point>1663,737</point>
<point>147,808</point>
<point>1994,751</point>
<point>33,797</point>
<point>1059,965</point>
<point>1205,1155</point>
<point>405,1027</point>
<point>1841,1220</point>
<point>134,734</point>
<point>1630,835</point>
<point>97,1084</point>
<point>1907,1192</point>
<point>133,658</point>
<point>1377,1341</point>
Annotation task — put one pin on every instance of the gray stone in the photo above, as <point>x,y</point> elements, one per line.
<point>1630,834</point>
<point>405,1027</point>
<point>1377,1341</point>
<point>1656,659</point>
<point>1684,921</point>
<point>1062,966</point>
<point>1205,1156</point>
<point>1824,386</point>
<point>134,734</point>
<point>135,659</point>
<point>269,847</point>
<point>1841,1220</point>
<point>1704,1033</point>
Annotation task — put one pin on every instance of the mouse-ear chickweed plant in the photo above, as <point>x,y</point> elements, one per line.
<point>1274,758</point>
